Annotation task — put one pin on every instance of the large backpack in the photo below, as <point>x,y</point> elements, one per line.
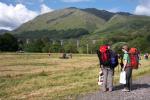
<point>134,58</point>
<point>104,55</point>
<point>113,59</point>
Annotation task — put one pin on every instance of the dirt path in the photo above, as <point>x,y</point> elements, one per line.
<point>141,91</point>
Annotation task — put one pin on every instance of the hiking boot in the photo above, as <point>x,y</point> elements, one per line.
<point>126,90</point>
<point>110,90</point>
<point>104,90</point>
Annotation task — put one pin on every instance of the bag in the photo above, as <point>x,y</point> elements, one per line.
<point>122,77</point>
<point>134,59</point>
<point>100,78</point>
<point>104,57</point>
<point>113,59</point>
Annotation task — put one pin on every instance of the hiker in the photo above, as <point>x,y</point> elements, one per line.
<point>130,61</point>
<point>107,64</point>
<point>127,68</point>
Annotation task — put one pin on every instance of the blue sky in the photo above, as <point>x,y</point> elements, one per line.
<point>15,12</point>
<point>118,5</point>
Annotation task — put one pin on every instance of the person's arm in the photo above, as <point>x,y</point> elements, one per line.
<point>125,58</point>
<point>98,53</point>
<point>125,64</point>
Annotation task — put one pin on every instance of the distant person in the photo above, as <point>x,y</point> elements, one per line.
<point>146,56</point>
<point>49,53</point>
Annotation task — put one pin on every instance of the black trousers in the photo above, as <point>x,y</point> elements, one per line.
<point>128,78</point>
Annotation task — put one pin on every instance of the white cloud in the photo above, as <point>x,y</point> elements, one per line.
<point>12,17</point>
<point>45,9</point>
<point>143,8</point>
<point>75,0</point>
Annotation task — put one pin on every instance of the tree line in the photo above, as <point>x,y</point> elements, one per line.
<point>11,43</point>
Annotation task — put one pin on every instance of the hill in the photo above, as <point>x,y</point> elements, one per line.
<point>2,31</point>
<point>72,18</point>
<point>69,18</point>
<point>89,24</point>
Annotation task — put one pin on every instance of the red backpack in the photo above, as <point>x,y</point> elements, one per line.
<point>104,55</point>
<point>134,59</point>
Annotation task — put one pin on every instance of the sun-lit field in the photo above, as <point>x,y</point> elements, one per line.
<point>38,76</point>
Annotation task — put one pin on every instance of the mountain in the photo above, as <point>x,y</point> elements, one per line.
<point>64,19</point>
<point>100,13</point>
<point>87,23</point>
<point>126,24</point>
<point>2,31</point>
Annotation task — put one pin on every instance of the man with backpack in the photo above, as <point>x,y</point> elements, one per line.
<point>108,61</point>
<point>130,62</point>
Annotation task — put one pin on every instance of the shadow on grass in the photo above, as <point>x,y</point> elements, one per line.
<point>134,86</point>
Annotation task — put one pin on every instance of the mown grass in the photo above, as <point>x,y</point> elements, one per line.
<point>38,76</point>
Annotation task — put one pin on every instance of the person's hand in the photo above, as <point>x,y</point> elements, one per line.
<point>123,69</point>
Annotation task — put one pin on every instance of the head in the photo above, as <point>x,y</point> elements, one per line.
<point>108,46</point>
<point>125,48</point>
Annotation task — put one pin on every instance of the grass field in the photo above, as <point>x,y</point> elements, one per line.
<point>30,76</point>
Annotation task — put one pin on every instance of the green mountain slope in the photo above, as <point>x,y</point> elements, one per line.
<point>126,24</point>
<point>91,22</point>
<point>69,18</point>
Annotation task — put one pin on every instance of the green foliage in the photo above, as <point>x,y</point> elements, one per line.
<point>141,43</point>
<point>53,34</point>
<point>8,42</point>
<point>56,48</point>
<point>70,47</point>
<point>118,46</point>
<point>85,25</point>
<point>34,46</point>
<point>64,19</point>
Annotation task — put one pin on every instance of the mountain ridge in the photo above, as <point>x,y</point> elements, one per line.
<point>97,23</point>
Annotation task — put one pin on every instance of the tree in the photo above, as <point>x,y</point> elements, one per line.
<point>35,46</point>
<point>8,42</point>
<point>71,46</point>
